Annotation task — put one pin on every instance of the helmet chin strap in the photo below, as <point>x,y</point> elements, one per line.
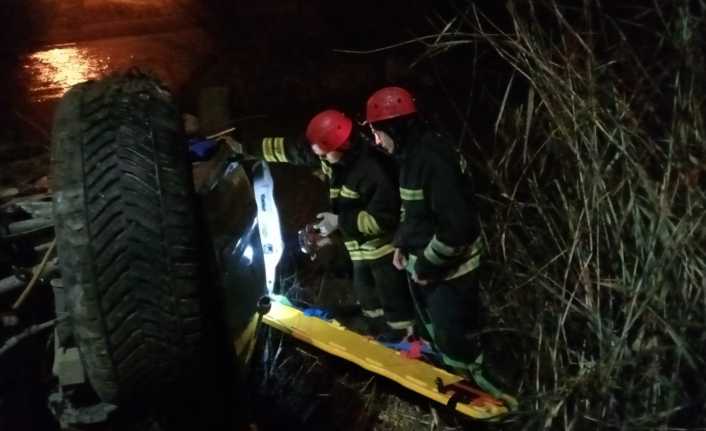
<point>394,129</point>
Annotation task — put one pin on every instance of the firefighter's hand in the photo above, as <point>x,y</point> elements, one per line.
<point>191,124</point>
<point>418,280</point>
<point>235,146</point>
<point>328,223</point>
<point>399,260</point>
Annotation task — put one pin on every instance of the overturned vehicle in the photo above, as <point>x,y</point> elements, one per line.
<point>147,271</point>
<point>169,268</point>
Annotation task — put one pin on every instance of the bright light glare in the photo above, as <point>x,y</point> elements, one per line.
<point>247,255</point>
<point>269,225</point>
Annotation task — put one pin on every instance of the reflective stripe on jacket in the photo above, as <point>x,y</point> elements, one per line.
<point>439,226</point>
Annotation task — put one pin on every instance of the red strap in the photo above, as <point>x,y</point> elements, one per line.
<point>415,350</point>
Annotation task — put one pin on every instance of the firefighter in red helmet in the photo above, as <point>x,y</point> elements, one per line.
<point>438,238</point>
<point>364,208</point>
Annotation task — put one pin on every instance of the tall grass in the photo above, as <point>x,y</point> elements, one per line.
<point>595,219</point>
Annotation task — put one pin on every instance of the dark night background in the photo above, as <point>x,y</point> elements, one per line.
<point>622,119</point>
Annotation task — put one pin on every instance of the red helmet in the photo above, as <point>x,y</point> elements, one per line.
<point>389,102</point>
<point>330,130</point>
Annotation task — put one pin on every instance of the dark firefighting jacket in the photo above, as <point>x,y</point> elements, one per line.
<point>362,190</point>
<point>439,228</point>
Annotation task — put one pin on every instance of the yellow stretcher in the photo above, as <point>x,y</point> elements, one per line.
<point>421,377</point>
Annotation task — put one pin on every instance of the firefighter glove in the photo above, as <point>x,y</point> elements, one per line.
<point>235,147</point>
<point>328,223</point>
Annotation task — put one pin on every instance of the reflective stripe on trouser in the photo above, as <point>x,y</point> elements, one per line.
<point>452,314</point>
<point>378,285</point>
<point>373,312</point>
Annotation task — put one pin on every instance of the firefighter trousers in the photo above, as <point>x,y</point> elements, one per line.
<point>382,292</point>
<point>449,310</point>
